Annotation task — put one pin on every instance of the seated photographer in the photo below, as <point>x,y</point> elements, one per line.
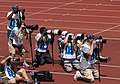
<point>16,41</point>
<point>13,74</point>
<point>42,53</point>
<point>87,70</point>
<point>69,56</point>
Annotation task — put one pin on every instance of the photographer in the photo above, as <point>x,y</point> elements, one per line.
<point>69,56</point>
<point>60,43</point>
<point>80,39</point>
<point>13,74</point>
<point>42,53</point>
<point>16,41</point>
<point>88,70</point>
<point>14,16</point>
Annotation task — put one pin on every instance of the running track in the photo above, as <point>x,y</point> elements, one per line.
<point>99,17</point>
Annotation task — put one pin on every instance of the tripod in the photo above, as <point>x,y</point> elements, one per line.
<point>98,54</point>
<point>30,41</point>
<point>52,35</point>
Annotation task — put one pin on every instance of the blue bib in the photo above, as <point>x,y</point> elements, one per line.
<point>13,23</point>
<point>70,49</point>
<point>43,45</point>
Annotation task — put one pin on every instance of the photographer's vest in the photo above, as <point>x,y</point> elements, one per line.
<point>43,46</point>
<point>9,72</point>
<point>14,20</point>
<point>69,51</point>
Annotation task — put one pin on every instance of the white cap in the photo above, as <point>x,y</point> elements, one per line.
<point>78,35</point>
<point>64,33</point>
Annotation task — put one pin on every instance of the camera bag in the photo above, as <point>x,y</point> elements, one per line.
<point>42,76</point>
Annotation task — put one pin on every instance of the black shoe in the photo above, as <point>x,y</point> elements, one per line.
<point>104,59</point>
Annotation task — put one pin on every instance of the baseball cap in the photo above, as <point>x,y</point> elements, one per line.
<point>14,6</point>
<point>91,36</point>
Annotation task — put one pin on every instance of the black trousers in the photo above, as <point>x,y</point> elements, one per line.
<point>42,57</point>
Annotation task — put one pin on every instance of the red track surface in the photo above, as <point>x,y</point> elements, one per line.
<point>99,17</point>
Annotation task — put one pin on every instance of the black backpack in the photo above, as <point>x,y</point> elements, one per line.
<point>42,76</point>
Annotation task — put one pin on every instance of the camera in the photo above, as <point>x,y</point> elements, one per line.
<point>70,37</point>
<point>100,39</point>
<point>80,36</point>
<point>55,32</point>
<point>22,10</point>
<point>32,27</point>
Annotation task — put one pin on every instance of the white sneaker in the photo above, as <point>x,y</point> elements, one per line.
<point>77,75</point>
<point>25,64</point>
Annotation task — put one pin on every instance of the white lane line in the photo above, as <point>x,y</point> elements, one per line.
<point>47,9</point>
<point>60,20</point>
<point>70,21</point>
<point>114,0</point>
<point>73,9</point>
<point>69,3</point>
<point>114,39</point>
<point>3,23</point>
<point>75,28</point>
<point>112,66</point>
<point>94,4</point>
<point>75,21</point>
<point>70,74</point>
<point>102,65</point>
<point>74,15</point>
<point>107,29</point>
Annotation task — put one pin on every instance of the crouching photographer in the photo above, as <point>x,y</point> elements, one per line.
<point>69,57</point>
<point>42,53</point>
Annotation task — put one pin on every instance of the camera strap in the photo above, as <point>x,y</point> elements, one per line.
<point>19,15</point>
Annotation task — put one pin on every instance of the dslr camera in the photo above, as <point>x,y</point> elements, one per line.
<point>70,37</point>
<point>100,39</point>
<point>54,32</point>
<point>32,27</point>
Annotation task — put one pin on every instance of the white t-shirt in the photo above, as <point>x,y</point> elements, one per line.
<point>42,46</point>
<point>85,48</point>
<point>13,21</point>
<point>17,40</point>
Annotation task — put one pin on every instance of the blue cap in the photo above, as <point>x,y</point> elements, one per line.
<point>14,6</point>
<point>91,36</point>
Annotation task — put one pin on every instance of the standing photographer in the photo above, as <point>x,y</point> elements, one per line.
<point>42,52</point>
<point>14,17</point>
<point>16,41</point>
